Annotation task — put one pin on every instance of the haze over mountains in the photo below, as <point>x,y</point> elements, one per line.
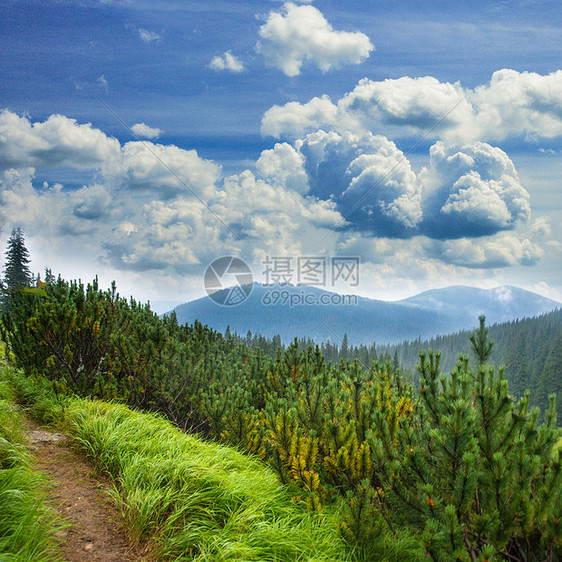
<point>272,310</point>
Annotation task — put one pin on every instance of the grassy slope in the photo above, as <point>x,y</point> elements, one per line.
<point>26,524</point>
<point>190,500</point>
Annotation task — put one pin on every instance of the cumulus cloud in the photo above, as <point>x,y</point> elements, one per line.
<point>472,191</point>
<point>284,166</point>
<point>355,192</point>
<point>302,33</point>
<point>143,130</point>
<point>91,202</point>
<point>174,236</point>
<point>412,265</point>
<point>152,206</point>
<point>273,215</point>
<point>519,103</point>
<point>469,191</point>
<point>180,235</point>
<point>413,103</point>
<point>367,177</point>
<point>58,141</point>
<point>52,212</point>
<point>164,169</point>
<point>513,103</point>
<point>227,61</point>
<point>295,118</point>
<point>503,250</point>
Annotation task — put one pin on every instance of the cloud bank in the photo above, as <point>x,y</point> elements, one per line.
<point>335,185</point>
<point>512,104</point>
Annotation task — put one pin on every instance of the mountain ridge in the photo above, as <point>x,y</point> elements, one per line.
<point>296,311</point>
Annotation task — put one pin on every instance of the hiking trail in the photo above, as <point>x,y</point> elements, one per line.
<point>79,496</point>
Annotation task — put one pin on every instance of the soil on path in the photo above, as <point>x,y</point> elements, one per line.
<point>96,531</point>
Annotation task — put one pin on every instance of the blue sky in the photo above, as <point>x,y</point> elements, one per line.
<point>140,140</point>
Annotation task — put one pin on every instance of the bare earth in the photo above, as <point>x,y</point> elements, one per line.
<point>96,531</point>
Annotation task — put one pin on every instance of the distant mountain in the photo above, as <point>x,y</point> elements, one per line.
<point>500,304</point>
<point>297,311</point>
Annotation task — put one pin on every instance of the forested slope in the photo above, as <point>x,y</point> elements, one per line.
<point>455,468</point>
<point>530,349</point>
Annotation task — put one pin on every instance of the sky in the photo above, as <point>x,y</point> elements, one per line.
<point>140,140</point>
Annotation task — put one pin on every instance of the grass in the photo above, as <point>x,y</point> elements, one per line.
<point>27,526</point>
<point>194,500</point>
<point>182,498</point>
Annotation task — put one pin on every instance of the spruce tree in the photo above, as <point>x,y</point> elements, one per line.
<point>49,277</point>
<point>16,269</point>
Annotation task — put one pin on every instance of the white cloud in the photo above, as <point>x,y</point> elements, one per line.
<point>145,212</point>
<point>296,118</point>
<point>165,170</point>
<point>472,191</point>
<point>227,61</point>
<point>413,103</point>
<point>148,36</point>
<point>368,178</point>
<point>467,191</point>
<point>143,130</point>
<point>503,250</point>
<point>271,214</point>
<point>513,103</point>
<point>302,33</point>
<point>519,103</point>
<point>175,236</point>
<point>58,141</point>
<point>284,166</point>
<point>53,213</point>
<point>343,192</point>
<point>542,288</point>
<point>91,202</point>
<point>400,268</point>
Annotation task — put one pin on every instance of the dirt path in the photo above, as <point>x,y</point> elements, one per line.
<point>96,533</point>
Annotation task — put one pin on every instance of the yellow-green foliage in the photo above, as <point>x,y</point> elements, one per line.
<point>558,446</point>
<point>313,432</point>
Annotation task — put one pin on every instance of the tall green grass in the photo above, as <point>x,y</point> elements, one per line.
<point>27,526</point>
<point>193,500</point>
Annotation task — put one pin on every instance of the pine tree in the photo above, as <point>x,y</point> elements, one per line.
<point>472,470</point>
<point>344,351</point>
<point>482,347</point>
<point>16,269</point>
